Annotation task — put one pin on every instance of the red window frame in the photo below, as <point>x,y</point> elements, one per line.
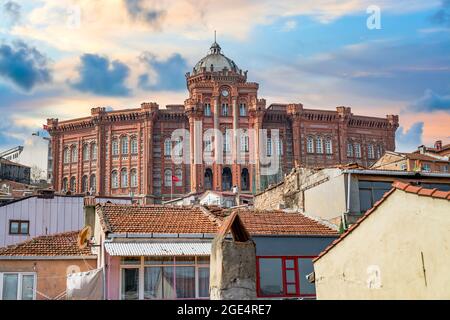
<point>285,282</point>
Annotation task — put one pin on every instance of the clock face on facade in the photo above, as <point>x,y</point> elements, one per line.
<point>225,93</point>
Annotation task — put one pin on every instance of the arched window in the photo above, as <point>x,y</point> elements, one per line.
<point>73,184</point>
<point>84,184</point>
<point>94,151</point>
<point>168,147</point>
<point>85,152</point>
<point>133,178</point>
<point>245,180</point>
<point>115,147</point>
<point>269,147</point>
<point>319,145</point>
<point>349,150</point>
<point>226,142</point>
<point>207,110</point>
<point>74,154</point>
<point>242,110</point>
<point>225,110</point>
<point>208,144</point>
<point>370,151</point>
<point>208,179</point>
<point>64,184</point>
<point>244,141</point>
<point>357,150</point>
<point>124,178</point>
<point>310,145</point>
<point>124,145</point>
<point>134,145</point>
<point>168,178</point>
<point>66,155</point>
<point>114,180</point>
<point>328,146</point>
<point>93,183</point>
<point>179,175</point>
<point>279,145</point>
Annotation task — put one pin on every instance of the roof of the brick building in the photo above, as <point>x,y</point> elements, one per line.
<point>62,244</point>
<point>397,185</point>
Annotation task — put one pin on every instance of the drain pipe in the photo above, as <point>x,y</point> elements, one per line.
<point>347,209</point>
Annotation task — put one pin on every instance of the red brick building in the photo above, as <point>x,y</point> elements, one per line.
<point>118,152</point>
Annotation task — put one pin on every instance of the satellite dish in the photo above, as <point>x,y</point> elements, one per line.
<point>84,236</point>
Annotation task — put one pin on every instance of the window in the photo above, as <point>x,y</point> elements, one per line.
<point>94,151</point>
<point>17,286</point>
<point>328,146</point>
<point>310,145</point>
<point>168,147</point>
<point>357,150</point>
<point>164,278</point>
<point>319,145</point>
<point>426,167</point>
<point>207,110</point>
<point>379,151</point>
<point>444,168</point>
<point>269,147</point>
<point>84,184</point>
<point>73,184</point>
<point>85,152</point>
<point>226,142</point>
<point>114,180</point>
<point>19,227</point>
<point>64,184</point>
<point>124,145</point>
<point>66,155</point>
<point>370,192</point>
<point>124,178</point>
<point>225,110</point>
<point>93,183</point>
<point>168,178</point>
<point>208,144</point>
<point>179,175</point>
<point>74,154</point>
<point>242,110</point>
<point>244,142</point>
<point>115,147</point>
<point>134,145</point>
<point>370,151</point>
<point>403,166</point>
<point>349,150</point>
<point>284,276</point>
<point>133,178</point>
<point>279,144</point>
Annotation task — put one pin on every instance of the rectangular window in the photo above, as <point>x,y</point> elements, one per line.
<point>370,192</point>
<point>225,109</point>
<point>19,227</point>
<point>284,277</point>
<point>165,278</point>
<point>444,168</point>
<point>426,167</point>
<point>242,110</point>
<point>349,150</point>
<point>357,150</point>
<point>207,110</point>
<point>17,286</point>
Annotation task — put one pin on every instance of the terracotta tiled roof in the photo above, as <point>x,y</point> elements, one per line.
<point>62,244</point>
<point>120,218</point>
<point>278,222</point>
<point>397,185</point>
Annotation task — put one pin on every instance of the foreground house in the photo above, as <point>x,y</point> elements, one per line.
<point>400,249</point>
<point>162,252</point>
<point>341,193</point>
<point>37,269</point>
<point>412,162</point>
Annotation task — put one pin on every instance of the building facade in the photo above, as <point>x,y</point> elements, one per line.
<point>131,151</point>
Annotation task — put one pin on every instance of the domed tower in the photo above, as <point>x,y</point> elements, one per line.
<point>220,98</point>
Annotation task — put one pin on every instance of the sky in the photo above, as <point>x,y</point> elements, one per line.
<point>60,58</point>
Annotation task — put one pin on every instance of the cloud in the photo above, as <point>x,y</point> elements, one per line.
<point>12,9</point>
<point>442,16</point>
<point>24,66</point>
<point>289,25</point>
<point>408,140</point>
<point>430,102</point>
<point>100,76</point>
<point>138,10</point>
<point>170,73</point>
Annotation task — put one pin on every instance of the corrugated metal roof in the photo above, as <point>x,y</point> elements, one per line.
<point>158,248</point>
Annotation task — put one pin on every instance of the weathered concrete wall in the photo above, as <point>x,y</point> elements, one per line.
<point>232,270</point>
<point>51,274</point>
<point>382,257</point>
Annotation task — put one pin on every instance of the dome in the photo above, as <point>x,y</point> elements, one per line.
<point>215,60</point>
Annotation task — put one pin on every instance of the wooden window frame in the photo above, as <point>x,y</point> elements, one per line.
<point>20,223</point>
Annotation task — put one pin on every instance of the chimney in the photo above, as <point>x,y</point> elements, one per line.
<point>438,145</point>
